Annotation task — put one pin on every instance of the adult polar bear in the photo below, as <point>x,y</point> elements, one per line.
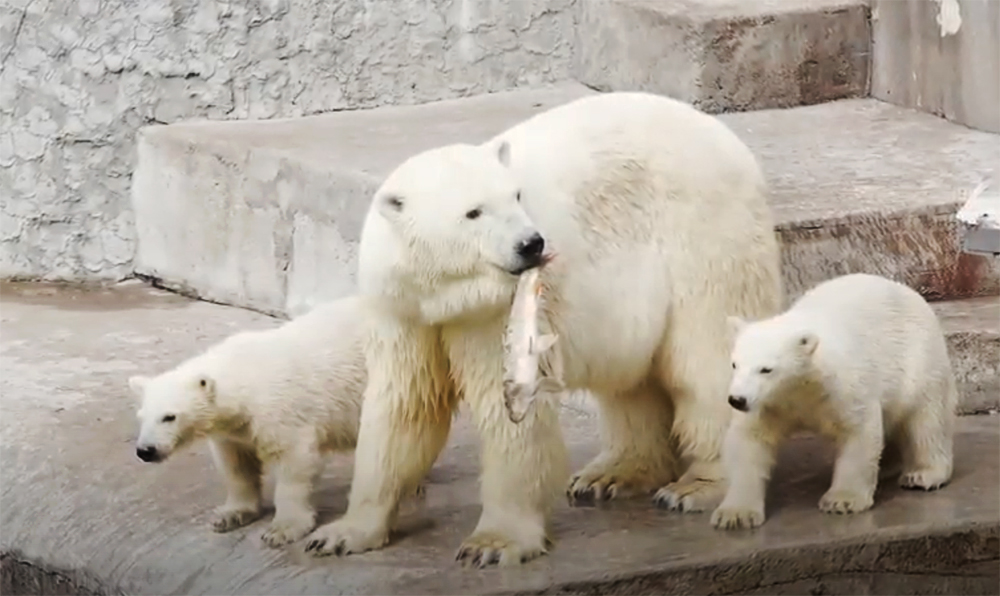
<point>657,215</point>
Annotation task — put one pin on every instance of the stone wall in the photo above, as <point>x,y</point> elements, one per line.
<point>79,77</point>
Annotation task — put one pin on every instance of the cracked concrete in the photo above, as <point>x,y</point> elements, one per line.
<point>79,78</point>
<point>85,516</point>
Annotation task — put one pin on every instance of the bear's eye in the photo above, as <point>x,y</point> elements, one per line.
<point>765,370</point>
<point>475,213</point>
<point>169,418</point>
<point>734,365</point>
<point>518,196</point>
<point>202,383</point>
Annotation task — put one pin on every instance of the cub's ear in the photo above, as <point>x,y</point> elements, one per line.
<point>808,342</point>
<point>137,384</point>
<point>503,154</point>
<point>207,386</point>
<point>735,325</point>
<point>390,206</point>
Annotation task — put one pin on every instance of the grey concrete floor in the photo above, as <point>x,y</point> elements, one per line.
<point>76,504</point>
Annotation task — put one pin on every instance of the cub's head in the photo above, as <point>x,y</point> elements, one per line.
<point>174,409</point>
<point>450,213</point>
<point>768,359</point>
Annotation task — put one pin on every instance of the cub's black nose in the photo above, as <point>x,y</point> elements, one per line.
<point>147,454</point>
<point>740,403</point>
<point>532,247</point>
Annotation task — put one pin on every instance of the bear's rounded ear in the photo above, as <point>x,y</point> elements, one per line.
<point>503,154</point>
<point>390,206</point>
<point>137,384</point>
<point>735,325</point>
<point>808,342</point>
<point>207,386</point>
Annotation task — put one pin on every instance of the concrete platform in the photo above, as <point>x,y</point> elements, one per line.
<point>727,55</point>
<point>267,215</point>
<point>82,515</point>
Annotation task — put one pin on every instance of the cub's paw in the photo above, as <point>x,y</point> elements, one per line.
<point>226,519</point>
<point>737,517</point>
<point>488,547</point>
<point>845,501</point>
<point>345,536</point>
<point>924,479</point>
<point>286,530</point>
<point>689,496</point>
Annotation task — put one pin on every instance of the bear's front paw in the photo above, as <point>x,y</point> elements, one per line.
<point>226,519</point>
<point>689,496</point>
<point>345,536</point>
<point>490,547</point>
<point>926,479</point>
<point>608,478</point>
<point>737,517</point>
<point>845,501</point>
<point>285,530</point>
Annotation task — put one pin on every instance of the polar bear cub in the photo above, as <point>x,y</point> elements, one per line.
<point>281,397</point>
<point>859,359</point>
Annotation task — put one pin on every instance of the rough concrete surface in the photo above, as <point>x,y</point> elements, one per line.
<point>79,77</point>
<point>941,57</point>
<point>727,55</point>
<point>267,215</point>
<point>81,514</point>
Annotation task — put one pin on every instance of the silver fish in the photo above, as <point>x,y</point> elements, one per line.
<point>524,346</point>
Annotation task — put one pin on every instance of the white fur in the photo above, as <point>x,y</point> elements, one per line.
<point>657,215</point>
<point>859,359</point>
<point>280,397</point>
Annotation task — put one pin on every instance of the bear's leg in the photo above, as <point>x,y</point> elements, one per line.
<point>241,469</point>
<point>748,459</point>
<point>405,421</point>
<point>855,473</point>
<point>294,514</point>
<point>524,469</point>
<point>926,440</point>
<point>637,455</point>
<point>698,380</point>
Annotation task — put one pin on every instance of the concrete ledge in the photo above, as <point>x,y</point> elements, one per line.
<point>267,215</point>
<point>728,55</point>
<point>85,516</point>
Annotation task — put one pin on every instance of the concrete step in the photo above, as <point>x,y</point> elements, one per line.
<point>86,517</point>
<point>727,55</point>
<point>939,57</point>
<point>267,215</point>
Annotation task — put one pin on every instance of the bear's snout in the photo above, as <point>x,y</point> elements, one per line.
<point>740,403</point>
<point>531,248</point>
<point>148,454</point>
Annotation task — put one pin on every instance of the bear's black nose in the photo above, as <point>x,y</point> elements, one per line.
<point>740,403</point>
<point>532,247</point>
<point>147,454</point>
